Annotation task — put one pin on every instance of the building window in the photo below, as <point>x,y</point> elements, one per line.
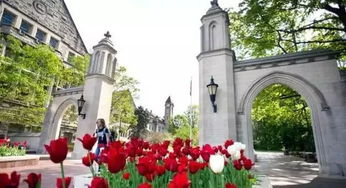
<point>8,18</point>
<point>40,35</point>
<point>70,57</point>
<point>53,42</point>
<point>25,27</point>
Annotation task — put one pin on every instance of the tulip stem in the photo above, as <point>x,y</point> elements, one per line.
<point>91,166</point>
<point>62,175</point>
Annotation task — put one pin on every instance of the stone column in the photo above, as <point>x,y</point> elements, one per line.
<point>97,93</point>
<point>216,59</point>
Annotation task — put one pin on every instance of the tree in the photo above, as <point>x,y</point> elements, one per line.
<point>125,82</point>
<point>142,122</point>
<point>123,108</point>
<point>26,74</point>
<point>192,114</point>
<point>177,122</point>
<point>271,27</point>
<point>282,119</point>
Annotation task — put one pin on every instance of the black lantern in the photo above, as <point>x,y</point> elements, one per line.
<point>212,89</point>
<point>80,103</point>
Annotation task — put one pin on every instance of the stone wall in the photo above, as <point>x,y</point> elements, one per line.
<point>54,15</point>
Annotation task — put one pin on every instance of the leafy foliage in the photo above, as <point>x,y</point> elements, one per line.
<point>125,82</point>
<point>26,74</point>
<point>179,125</point>
<point>270,27</point>
<point>142,122</point>
<point>123,109</point>
<point>192,114</point>
<point>11,151</point>
<point>282,119</point>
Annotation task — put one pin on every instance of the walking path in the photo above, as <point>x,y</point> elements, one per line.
<point>285,171</point>
<point>49,171</point>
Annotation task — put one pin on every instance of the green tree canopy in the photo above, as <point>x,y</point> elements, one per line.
<point>192,114</point>
<point>123,108</point>
<point>26,74</point>
<point>282,119</point>
<point>143,116</point>
<point>271,27</point>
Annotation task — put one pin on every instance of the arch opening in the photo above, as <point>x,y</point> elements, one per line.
<point>281,121</point>
<point>65,121</point>
<point>314,100</point>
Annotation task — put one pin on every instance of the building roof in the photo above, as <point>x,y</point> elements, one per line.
<point>169,101</point>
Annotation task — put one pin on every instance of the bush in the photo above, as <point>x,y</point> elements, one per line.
<point>6,150</point>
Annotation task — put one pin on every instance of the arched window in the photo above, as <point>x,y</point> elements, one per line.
<point>95,61</point>
<point>212,36</point>
<point>109,65</point>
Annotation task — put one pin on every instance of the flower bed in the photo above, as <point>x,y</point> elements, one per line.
<point>12,149</point>
<point>139,164</point>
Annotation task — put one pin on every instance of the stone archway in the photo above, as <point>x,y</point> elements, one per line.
<point>310,93</point>
<point>61,101</point>
<point>57,119</point>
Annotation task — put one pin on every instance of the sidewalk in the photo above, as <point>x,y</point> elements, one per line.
<point>285,170</point>
<point>50,171</point>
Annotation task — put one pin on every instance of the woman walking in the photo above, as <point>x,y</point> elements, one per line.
<point>102,134</point>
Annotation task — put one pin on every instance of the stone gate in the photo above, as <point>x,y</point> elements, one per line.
<point>313,74</point>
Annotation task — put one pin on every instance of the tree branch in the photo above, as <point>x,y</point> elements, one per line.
<point>316,41</point>
<point>311,27</point>
<point>279,40</point>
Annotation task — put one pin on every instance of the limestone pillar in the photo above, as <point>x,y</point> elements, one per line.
<point>97,93</point>
<point>216,59</point>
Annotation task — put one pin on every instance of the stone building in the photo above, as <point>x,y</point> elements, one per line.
<point>168,110</point>
<point>42,22</point>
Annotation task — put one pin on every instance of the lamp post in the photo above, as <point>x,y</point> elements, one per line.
<point>212,89</point>
<point>80,103</point>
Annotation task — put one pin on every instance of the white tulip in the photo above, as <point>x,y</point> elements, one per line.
<point>236,156</point>
<point>216,163</point>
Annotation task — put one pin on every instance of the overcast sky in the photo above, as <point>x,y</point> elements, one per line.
<point>157,40</point>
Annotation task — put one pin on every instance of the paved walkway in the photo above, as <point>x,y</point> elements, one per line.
<point>285,171</point>
<point>50,171</point>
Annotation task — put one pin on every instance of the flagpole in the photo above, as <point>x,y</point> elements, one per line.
<point>191,109</point>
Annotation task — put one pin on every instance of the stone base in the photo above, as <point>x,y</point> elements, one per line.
<point>16,161</point>
<point>321,182</point>
<point>327,182</point>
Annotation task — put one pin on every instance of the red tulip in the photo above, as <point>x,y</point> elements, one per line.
<point>33,180</point>
<point>237,165</point>
<point>180,180</point>
<point>160,170</point>
<point>144,185</point>
<point>194,166</point>
<point>88,141</point>
<point>206,151</point>
<point>230,185</point>
<point>89,159</point>
<point>116,160</point>
<point>228,143</point>
<point>59,182</point>
<point>194,153</point>
<point>9,182</point>
<point>57,150</point>
<point>247,164</point>
<point>126,176</point>
<point>98,182</point>
<point>171,164</point>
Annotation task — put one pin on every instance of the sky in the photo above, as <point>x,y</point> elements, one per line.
<point>157,41</point>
